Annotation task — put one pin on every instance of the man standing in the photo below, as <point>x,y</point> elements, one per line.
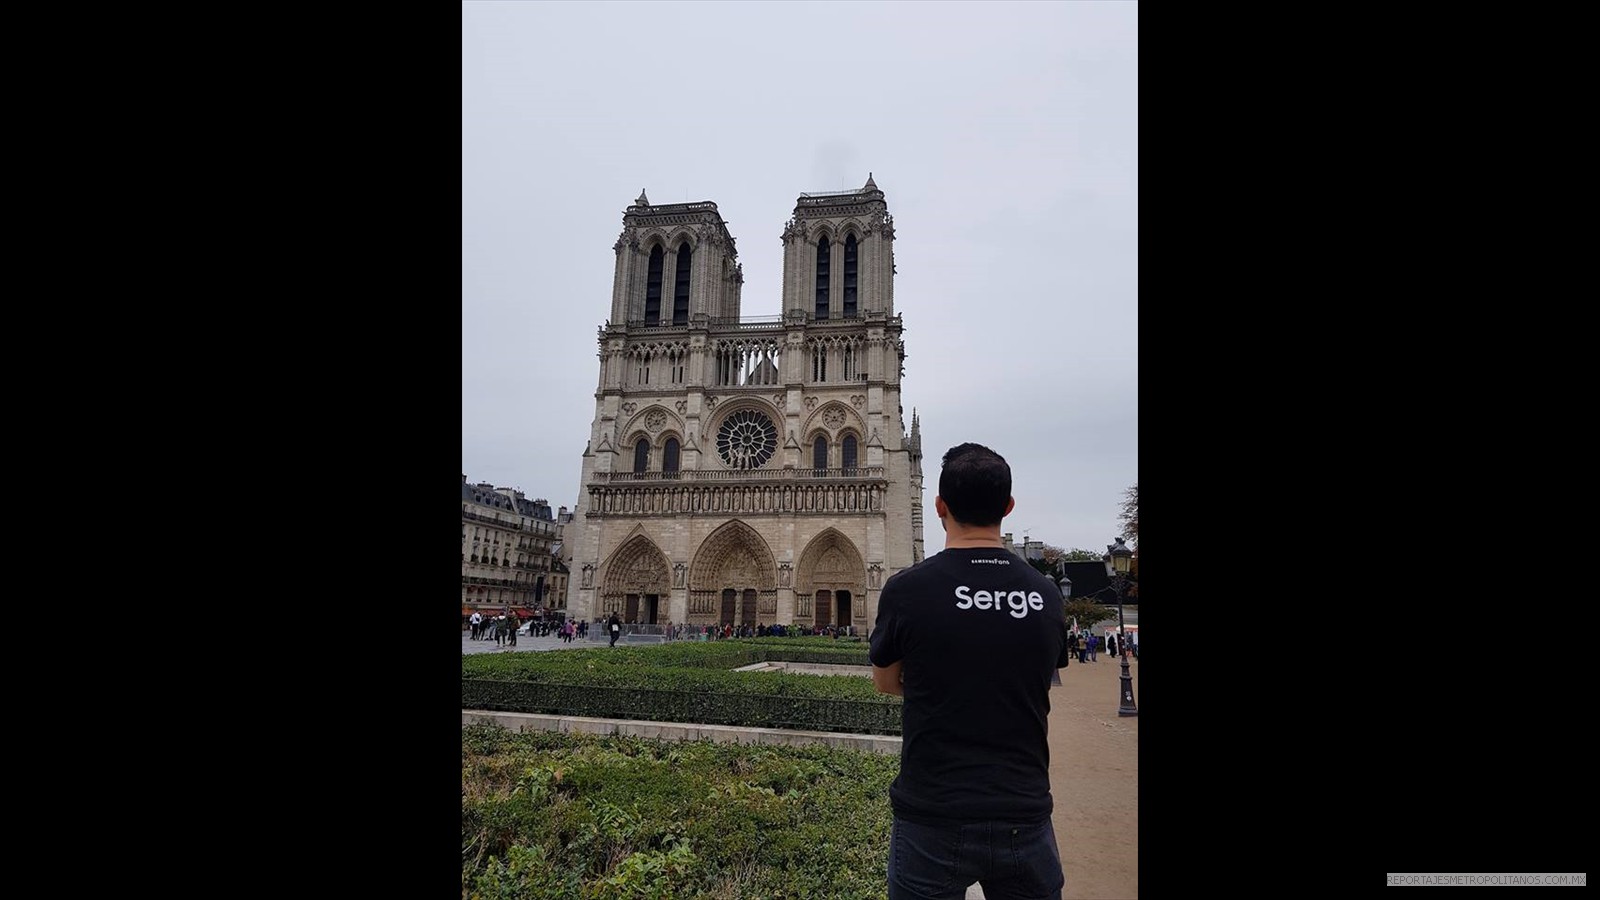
<point>615,626</point>
<point>970,637</point>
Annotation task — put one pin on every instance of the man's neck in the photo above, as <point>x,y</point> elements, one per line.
<point>958,536</point>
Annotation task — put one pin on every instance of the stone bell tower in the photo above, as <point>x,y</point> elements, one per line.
<point>674,262</point>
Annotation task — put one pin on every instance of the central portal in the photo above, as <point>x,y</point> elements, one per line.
<point>650,608</point>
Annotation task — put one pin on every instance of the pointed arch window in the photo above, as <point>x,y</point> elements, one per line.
<point>819,453</point>
<point>641,455</point>
<point>669,456</point>
<point>680,287</point>
<point>850,277</point>
<point>847,455</point>
<point>652,287</point>
<point>823,252</point>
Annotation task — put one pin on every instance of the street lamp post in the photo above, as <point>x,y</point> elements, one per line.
<point>1065,584</point>
<point>1119,560</point>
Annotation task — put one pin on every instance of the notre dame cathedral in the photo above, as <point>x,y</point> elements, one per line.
<point>748,470</point>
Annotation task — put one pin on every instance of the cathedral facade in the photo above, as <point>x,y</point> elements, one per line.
<point>748,470</point>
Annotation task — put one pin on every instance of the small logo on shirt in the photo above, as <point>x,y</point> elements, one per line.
<point>992,562</point>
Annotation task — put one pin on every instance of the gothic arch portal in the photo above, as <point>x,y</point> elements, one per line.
<point>831,581</point>
<point>733,578</point>
<point>636,572</point>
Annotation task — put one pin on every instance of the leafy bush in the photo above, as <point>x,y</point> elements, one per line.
<point>547,815</point>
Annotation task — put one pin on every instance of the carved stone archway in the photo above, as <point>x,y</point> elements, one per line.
<point>733,578</point>
<point>636,582</point>
<point>831,571</point>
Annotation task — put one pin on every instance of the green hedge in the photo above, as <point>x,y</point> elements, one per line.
<point>680,683</point>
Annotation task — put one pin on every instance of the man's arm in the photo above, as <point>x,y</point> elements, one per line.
<point>887,679</point>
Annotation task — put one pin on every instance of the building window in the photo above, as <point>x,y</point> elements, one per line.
<point>823,252</point>
<point>641,455</point>
<point>747,439</point>
<point>819,362</point>
<point>652,288</point>
<point>850,276</point>
<point>819,453</point>
<point>847,458</point>
<point>850,364</point>
<point>669,456</point>
<point>680,289</point>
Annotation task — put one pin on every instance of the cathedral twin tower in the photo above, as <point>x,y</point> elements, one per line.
<point>748,470</point>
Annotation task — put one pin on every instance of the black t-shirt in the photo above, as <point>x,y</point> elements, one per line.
<point>980,633</point>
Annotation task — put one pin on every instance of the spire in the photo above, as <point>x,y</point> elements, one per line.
<point>645,201</point>
<point>914,422</point>
<point>871,185</point>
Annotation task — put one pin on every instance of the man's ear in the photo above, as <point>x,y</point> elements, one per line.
<point>939,508</point>
<point>1011,503</point>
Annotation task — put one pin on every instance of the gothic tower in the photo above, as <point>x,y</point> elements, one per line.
<point>744,470</point>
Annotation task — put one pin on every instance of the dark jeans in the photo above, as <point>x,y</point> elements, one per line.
<point>1010,860</point>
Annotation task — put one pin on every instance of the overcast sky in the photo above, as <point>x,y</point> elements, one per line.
<point>1004,136</point>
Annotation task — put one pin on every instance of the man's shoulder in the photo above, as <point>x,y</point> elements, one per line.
<point>911,572</point>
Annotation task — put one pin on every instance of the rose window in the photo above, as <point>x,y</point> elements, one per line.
<point>747,439</point>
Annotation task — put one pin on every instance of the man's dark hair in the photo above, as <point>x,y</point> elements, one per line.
<point>975,484</point>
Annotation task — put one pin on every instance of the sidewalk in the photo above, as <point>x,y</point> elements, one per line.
<point>1094,779</point>
<point>525,644</point>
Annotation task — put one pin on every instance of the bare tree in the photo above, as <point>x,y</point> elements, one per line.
<point>1130,515</point>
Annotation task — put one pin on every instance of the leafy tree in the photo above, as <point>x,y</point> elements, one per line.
<point>1088,612</point>
<point>1078,554</point>
<point>1130,533</point>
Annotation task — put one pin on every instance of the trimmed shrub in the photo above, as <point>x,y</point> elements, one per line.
<point>681,683</point>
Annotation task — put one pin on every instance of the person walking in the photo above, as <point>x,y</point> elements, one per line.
<point>970,637</point>
<point>615,626</point>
